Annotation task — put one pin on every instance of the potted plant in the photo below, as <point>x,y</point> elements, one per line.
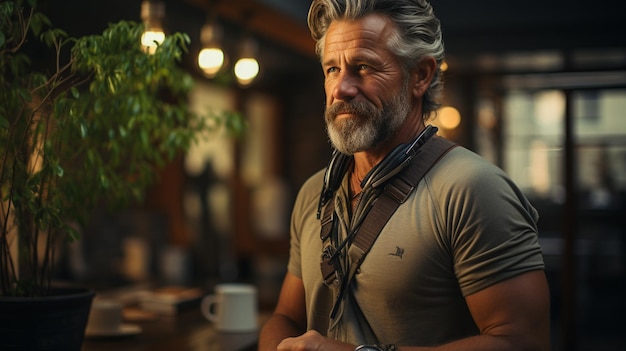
<point>93,123</point>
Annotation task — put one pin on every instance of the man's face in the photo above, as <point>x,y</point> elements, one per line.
<point>367,96</point>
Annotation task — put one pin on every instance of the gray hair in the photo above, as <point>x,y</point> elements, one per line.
<point>418,33</point>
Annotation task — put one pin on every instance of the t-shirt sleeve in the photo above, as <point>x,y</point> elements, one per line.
<point>304,207</point>
<point>491,225</point>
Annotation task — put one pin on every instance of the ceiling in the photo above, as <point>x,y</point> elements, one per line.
<point>488,23</point>
<point>512,30</point>
<point>472,29</point>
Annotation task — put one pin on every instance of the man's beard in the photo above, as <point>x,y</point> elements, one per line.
<point>369,128</point>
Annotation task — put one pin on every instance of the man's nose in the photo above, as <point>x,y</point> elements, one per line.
<point>346,86</point>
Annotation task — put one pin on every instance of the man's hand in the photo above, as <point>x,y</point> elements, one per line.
<point>313,341</point>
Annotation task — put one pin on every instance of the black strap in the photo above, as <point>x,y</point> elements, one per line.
<point>394,193</point>
<point>398,190</point>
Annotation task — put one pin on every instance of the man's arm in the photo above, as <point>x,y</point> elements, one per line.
<point>289,317</point>
<point>512,315</point>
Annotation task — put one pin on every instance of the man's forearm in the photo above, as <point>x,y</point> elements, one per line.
<point>275,330</point>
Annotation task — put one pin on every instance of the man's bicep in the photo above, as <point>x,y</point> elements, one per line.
<point>517,309</point>
<point>291,301</point>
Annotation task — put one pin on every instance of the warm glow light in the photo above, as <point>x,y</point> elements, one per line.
<point>246,69</point>
<point>152,14</point>
<point>449,117</point>
<point>210,60</point>
<point>211,57</point>
<point>151,39</point>
<point>444,66</point>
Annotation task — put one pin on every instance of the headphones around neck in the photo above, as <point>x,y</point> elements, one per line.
<point>391,165</point>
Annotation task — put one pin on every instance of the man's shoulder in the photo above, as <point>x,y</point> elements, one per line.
<point>461,166</point>
<point>314,182</point>
<point>312,187</point>
<point>462,162</point>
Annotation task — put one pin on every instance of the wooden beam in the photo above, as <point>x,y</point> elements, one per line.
<point>263,20</point>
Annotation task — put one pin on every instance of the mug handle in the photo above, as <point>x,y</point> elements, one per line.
<point>208,302</point>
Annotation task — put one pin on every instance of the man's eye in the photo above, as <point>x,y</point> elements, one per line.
<point>332,70</point>
<point>363,67</point>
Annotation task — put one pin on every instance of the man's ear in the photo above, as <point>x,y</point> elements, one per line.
<point>422,75</point>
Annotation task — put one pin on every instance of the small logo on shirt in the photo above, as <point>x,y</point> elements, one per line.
<point>399,252</point>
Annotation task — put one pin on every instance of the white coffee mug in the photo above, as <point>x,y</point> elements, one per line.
<point>233,307</point>
<point>105,316</point>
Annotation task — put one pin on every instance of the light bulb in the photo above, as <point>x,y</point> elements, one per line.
<point>246,69</point>
<point>150,39</point>
<point>210,60</point>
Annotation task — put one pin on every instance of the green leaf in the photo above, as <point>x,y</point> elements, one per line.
<point>6,8</point>
<point>104,181</point>
<point>58,170</point>
<point>98,107</point>
<point>144,138</point>
<point>72,234</point>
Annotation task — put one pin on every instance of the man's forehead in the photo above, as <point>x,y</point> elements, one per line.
<point>369,31</point>
<point>374,24</point>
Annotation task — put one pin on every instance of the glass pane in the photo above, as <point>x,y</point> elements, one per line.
<point>601,138</point>
<point>533,137</point>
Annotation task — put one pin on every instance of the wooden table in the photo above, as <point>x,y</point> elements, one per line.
<point>188,331</point>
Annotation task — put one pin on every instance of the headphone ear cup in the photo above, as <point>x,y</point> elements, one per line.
<point>337,170</point>
<point>332,177</point>
<point>391,161</point>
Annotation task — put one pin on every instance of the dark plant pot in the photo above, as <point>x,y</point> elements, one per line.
<point>55,322</point>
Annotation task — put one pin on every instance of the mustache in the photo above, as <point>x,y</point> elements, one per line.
<point>359,108</point>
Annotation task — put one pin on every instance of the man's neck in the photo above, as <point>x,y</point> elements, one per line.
<point>364,161</point>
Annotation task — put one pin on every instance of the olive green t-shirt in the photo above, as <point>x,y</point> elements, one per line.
<point>465,227</point>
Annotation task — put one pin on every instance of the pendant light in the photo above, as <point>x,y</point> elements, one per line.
<point>211,58</point>
<point>152,14</point>
<point>247,67</point>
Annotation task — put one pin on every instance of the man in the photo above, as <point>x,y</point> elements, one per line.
<point>458,265</point>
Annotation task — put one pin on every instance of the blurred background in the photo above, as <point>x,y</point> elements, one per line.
<point>538,88</point>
